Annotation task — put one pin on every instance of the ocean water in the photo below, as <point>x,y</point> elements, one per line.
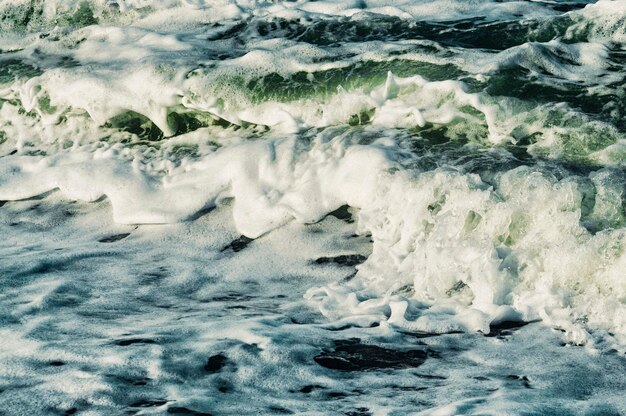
<point>351,207</point>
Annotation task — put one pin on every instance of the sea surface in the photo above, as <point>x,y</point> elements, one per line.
<point>351,207</point>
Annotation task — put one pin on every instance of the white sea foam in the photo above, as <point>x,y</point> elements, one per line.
<point>603,20</point>
<point>281,187</point>
<point>498,238</point>
<point>518,250</point>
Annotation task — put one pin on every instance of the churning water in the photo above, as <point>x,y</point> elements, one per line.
<point>359,207</point>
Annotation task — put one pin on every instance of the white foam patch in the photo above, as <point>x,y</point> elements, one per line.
<point>132,325</point>
<point>602,20</point>
<point>582,63</point>
<point>155,64</point>
<point>521,245</point>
